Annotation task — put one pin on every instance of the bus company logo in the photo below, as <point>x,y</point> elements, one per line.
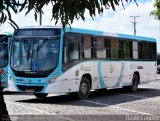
<point>111,69</point>
<point>139,67</point>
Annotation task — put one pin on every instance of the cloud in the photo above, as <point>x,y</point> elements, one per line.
<point>120,21</point>
<point>110,21</point>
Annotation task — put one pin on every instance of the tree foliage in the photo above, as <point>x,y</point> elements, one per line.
<point>64,11</point>
<point>6,6</point>
<point>156,12</point>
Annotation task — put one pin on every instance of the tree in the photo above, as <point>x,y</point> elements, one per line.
<point>156,12</point>
<point>64,11</point>
<point>6,6</point>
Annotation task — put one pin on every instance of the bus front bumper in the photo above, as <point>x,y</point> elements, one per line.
<point>35,88</point>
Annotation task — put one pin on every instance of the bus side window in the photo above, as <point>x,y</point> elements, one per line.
<point>145,46</point>
<point>108,47</point>
<point>135,50</point>
<point>86,47</point>
<point>126,49</point>
<point>114,48</point>
<point>65,52</point>
<point>131,49</point>
<point>140,51</point>
<point>154,51</point>
<point>71,50</point>
<point>100,48</point>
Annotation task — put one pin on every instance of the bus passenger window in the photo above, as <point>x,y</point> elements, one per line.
<point>100,49</point>
<point>126,51</point>
<point>86,47</point>
<point>131,49</point>
<point>135,50</point>
<point>114,48</point>
<point>108,48</point>
<point>154,51</point>
<point>140,50</point>
<point>65,52</point>
<point>71,50</point>
<point>146,50</point>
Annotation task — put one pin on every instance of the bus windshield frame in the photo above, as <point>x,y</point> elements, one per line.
<point>36,56</point>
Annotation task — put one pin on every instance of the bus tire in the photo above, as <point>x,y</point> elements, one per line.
<point>135,82</point>
<point>84,88</point>
<point>134,86</point>
<point>41,95</point>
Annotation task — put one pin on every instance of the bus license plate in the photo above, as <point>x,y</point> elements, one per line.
<point>29,90</point>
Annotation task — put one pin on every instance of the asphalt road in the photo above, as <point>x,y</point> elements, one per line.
<point>115,104</point>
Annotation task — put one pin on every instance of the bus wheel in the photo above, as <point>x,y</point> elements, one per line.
<point>84,88</point>
<point>135,82</point>
<point>41,95</point>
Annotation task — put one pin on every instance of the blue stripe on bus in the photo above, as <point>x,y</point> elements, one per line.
<point>100,77</point>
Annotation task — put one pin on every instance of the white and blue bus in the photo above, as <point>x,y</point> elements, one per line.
<point>5,38</point>
<point>47,60</point>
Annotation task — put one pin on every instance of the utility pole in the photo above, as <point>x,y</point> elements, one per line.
<point>134,23</point>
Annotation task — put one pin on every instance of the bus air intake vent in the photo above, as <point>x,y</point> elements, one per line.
<point>35,88</point>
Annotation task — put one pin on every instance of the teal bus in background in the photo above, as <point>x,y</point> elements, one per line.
<point>5,39</point>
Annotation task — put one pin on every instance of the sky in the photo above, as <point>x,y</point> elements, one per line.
<point>118,21</point>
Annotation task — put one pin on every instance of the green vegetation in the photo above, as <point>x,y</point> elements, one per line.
<point>156,11</point>
<point>65,11</point>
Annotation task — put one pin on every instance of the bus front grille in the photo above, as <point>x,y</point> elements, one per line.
<point>34,88</point>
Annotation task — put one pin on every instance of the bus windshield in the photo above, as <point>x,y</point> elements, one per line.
<point>35,54</point>
<point>3,51</point>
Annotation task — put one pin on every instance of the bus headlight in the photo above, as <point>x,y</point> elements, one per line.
<point>11,78</point>
<point>53,79</point>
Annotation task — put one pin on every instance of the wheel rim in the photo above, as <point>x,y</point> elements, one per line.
<point>84,88</point>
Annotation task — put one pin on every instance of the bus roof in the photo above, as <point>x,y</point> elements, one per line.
<point>101,33</point>
<point>96,33</point>
<point>40,27</point>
